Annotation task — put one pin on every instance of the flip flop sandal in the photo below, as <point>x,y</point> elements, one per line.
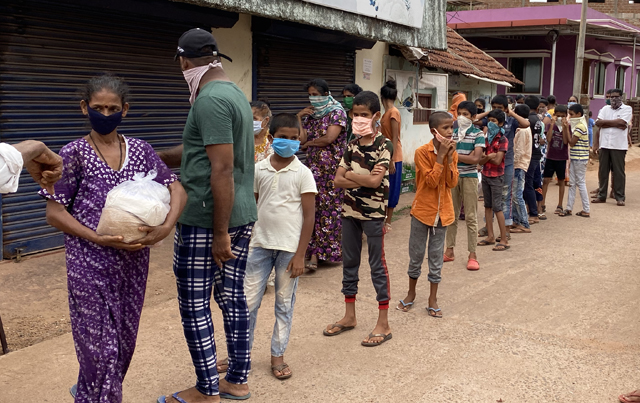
<point>559,210</point>
<point>520,231</point>
<point>498,239</point>
<point>565,213</point>
<point>406,307</point>
<point>583,214</point>
<point>448,259</point>
<point>74,390</point>
<point>483,231</point>
<point>230,397</point>
<point>473,265</point>
<point>504,247</point>
<point>163,399</point>
<point>621,203</point>
<point>341,328</point>
<point>435,311</point>
<point>542,216</point>
<point>485,243</point>
<point>280,368</point>
<point>311,266</point>
<point>597,201</point>
<point>373,344</point>
<point>624,398</point>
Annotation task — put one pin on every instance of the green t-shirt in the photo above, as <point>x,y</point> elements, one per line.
<point>220,115</point>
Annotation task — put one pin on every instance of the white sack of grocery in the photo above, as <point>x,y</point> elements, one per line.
<point>137,202</point>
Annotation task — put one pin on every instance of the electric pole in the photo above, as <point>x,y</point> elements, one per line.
<point>577,74</point>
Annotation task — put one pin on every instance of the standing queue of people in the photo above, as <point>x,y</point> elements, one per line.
<point>247,207</point>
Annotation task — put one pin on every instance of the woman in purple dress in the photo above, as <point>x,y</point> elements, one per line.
<point>324,126</point>
<point>106,277</point>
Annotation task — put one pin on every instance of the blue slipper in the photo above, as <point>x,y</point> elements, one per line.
<point>435,311</point>
<point>405,307</point>
<point>74,390</point>
<point>163,399</point>
<point>233,397</point>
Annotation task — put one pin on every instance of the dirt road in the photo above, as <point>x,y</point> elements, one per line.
<point>554,319</point>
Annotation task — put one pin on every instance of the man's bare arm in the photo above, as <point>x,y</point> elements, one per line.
<point>172,157</point>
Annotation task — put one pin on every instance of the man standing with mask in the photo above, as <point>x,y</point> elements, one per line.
<point>213,233</point>
<point>611,144</point>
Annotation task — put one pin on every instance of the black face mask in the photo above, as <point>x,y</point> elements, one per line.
<point>480,110</point>
<point>103,124</point>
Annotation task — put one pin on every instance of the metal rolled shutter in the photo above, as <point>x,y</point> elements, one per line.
<point>47,51</point>
<point>285,65</point>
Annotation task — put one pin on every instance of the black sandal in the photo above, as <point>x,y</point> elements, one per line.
<point>565,213</point>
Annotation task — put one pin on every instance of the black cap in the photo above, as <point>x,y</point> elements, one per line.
<point>191,43</point>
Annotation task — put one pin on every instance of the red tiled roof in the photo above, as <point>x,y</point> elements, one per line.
<point>463,57</point>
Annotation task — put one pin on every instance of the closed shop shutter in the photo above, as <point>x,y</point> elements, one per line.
<point>285,65</point>
<point>48,50</point>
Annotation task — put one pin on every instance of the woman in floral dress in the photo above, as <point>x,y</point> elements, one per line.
<point>106,278</point>
<point>324,126</point>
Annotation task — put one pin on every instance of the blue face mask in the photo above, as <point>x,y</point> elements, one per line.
<point>102,124</point>
<point>571,103</point>
<point>493,130</point>
<point>285,148</point>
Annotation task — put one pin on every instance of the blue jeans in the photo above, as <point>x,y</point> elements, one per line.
<point>520,216</point>
<point>259,265</point>
<point>506,195</point>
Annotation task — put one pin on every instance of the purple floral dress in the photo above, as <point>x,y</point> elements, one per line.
<point>106,285</point>
<point>326,240</point>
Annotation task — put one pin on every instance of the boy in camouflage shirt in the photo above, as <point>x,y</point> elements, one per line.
<point>363,174</point>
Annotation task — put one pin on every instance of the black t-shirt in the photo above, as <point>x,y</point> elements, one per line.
<point>537,130</point>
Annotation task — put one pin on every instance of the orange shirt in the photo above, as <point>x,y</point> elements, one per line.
<point>385,125</point>
<point>433,187</point>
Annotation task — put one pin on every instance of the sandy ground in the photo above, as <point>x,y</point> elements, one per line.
<point>554,319</point>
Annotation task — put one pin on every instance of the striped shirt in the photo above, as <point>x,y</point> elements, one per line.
<point>473,138</point>
<point>580,151</point>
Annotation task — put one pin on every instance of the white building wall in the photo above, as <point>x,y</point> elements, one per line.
<point>237,43</point>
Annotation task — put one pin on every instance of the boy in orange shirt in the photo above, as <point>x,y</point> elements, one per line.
<point>432,209</point>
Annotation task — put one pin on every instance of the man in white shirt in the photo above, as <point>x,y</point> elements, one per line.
<point>611,144</point>
<point>44,165</point>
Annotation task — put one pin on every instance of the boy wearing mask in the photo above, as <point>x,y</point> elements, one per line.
<point>432,209</point>
<point>497,146</point>
<point>579,154</point>
<point>470,148</point>
<point>522,157</point>
<point>363,173</point>
<point>285,191</point>
<point>558,136</point>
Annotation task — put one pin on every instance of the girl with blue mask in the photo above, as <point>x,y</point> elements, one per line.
<point>261,120</point>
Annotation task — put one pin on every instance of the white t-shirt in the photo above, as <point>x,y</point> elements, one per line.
<point>10,168</point>
<point>280,204</point>
<point>611,137</point>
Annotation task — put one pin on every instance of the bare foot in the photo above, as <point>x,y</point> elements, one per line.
<point>278,362</point>
<point>233,388</point>
<point>409,298</point>
<point>379,329</point>
<point>223,365</point>
<point>192,395</point>
<point>346,322</point>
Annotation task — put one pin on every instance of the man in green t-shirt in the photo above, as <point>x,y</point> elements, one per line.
<point>212,239</point>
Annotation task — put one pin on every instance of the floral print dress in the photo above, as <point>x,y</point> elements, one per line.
<point>106,285</point>
<point>326,240</point>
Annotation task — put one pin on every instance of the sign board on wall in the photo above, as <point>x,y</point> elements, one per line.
<point>403,12</point>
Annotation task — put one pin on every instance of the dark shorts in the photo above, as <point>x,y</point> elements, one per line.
<point>395,183</point>
<point>492,192</point>
<point>557,167</point>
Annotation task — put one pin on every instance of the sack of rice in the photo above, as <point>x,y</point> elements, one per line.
<point>137,202</point>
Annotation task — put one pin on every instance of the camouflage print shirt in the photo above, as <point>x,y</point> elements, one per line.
<point>365,203</point>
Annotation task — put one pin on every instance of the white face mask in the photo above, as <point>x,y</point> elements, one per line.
<point>574,122</point>
<point>559,123</point>
<point>257,127</point>
<point>464,123</point>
